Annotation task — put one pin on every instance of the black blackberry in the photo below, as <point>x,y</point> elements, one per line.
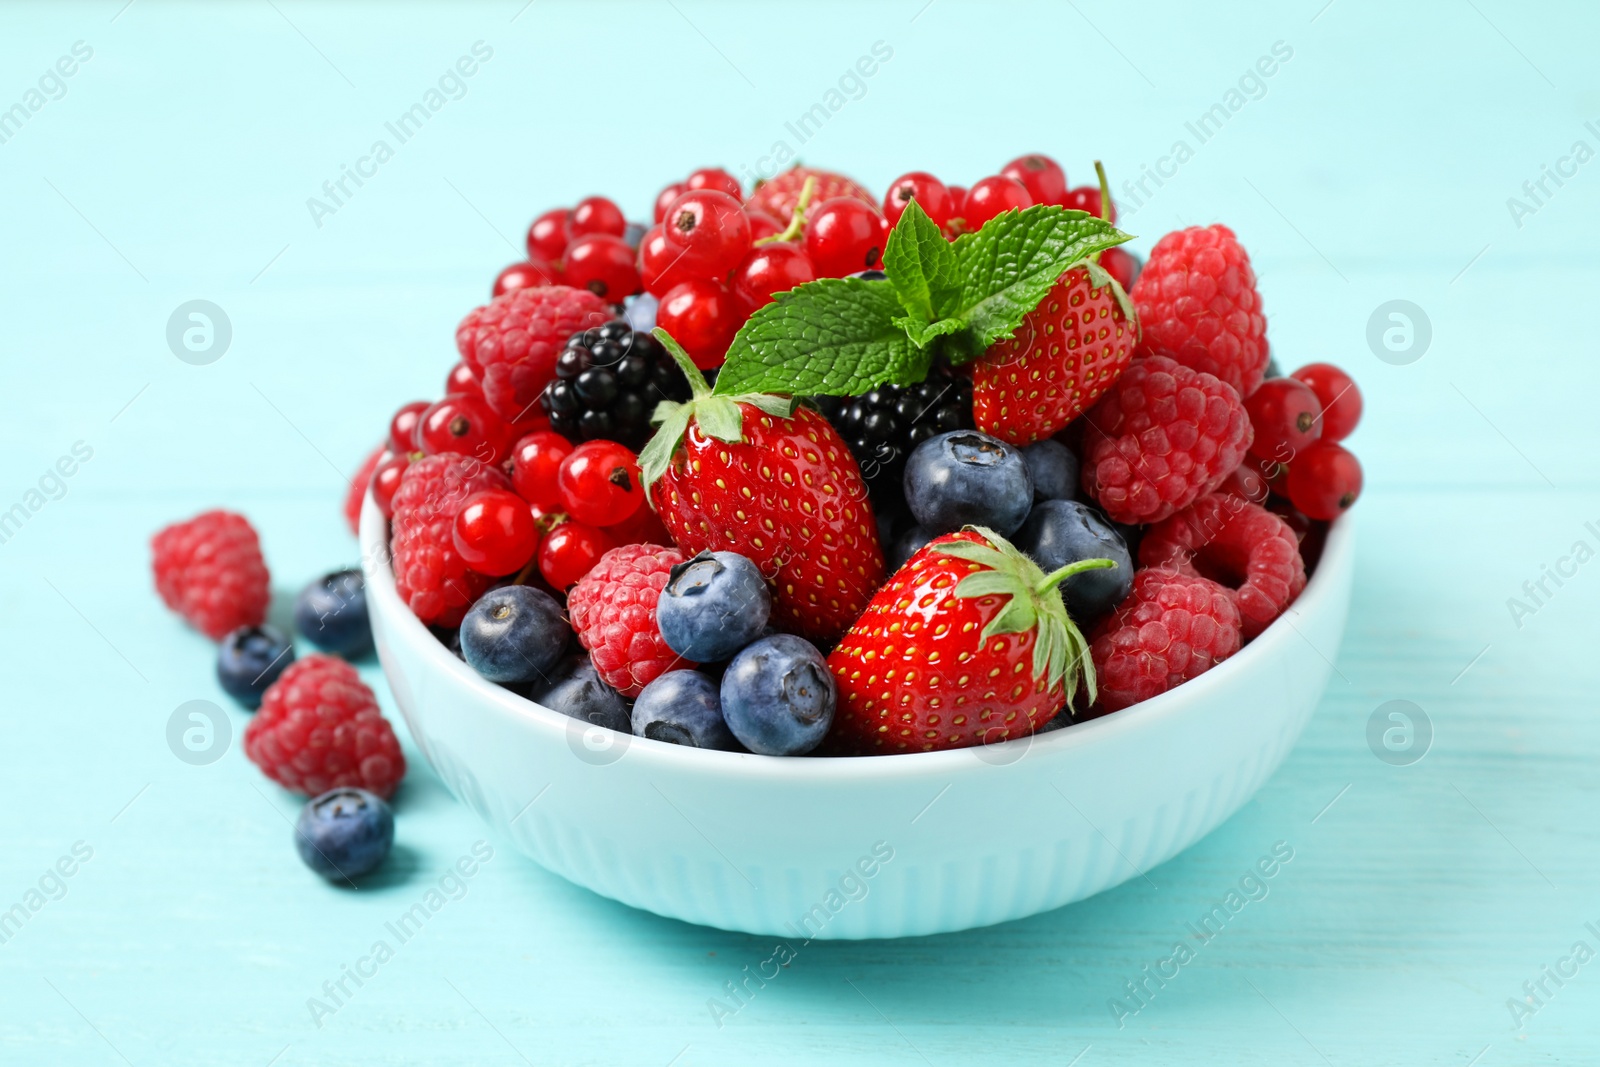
<point>883,425</point>
<point>608,381</point>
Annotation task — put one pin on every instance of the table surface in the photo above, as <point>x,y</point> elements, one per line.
<point>1384,158</point>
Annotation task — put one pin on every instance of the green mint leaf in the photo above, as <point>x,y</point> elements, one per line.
<point>1008,266</point>
<point>833,336</point>
<point>921,265</point>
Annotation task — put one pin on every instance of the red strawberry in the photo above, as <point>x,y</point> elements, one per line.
<point>778,196</point>
<point>1065,354</point>
<point>777,484</point>
<point>968,644</point>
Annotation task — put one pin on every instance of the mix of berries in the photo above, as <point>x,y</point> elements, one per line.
<point>973,533</point>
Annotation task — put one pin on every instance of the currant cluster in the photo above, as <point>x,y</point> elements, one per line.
<point>587,247</point>
<point>608,381</point>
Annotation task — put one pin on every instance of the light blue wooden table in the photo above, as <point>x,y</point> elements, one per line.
<point>1377,162</point>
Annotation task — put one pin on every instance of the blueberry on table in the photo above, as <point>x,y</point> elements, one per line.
<point>683,708</point>
<point>514,634</point>
<point>778,697</point>
<point>1059,532</point>
<point>249,659</point>
<point>344,833</point>
<point>1054,470</point>
<point>968,478</point>
<point>576,690</point>
<point>331,613</point>
<point>712,606</point>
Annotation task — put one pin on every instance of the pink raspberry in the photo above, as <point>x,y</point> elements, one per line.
<point>319,728</point>
<point>613,610</point>
<point>1171,628</point>
<point>357,493</point>
<point>429,574</point>
<point>1198,303</point>
<point>1161,438</point>
<point>210,571</point>
<point>511,343</point>
<point>1241,546</point>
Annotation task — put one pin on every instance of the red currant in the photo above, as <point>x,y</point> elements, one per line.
<point>599,483</point>
<point>1042,176</point>
<point>596,214</point>
<point>535,466</point>
<point>1285,414</point>
<point>714,178</point>
<point>463,381</point>
<point>665,198</point>
<point>989,197</point>
<point>464,424</point>
<point>1324,480</point>
<point>771,268</point>
<point>701,316</point>
<point>661,266</point>
<point>929,193</point>
<point>547,237</point>
<point>495,533</point>
<point>1340,399</point>
<point>524,275</point>
<point>403,427</point>
<point>1087,198</point>
<point>386,482</point>
<point>570,550</point>
<point>1121,265</point>
<point>763,225</point>
<point>604,265</point>
<point>709,229</point>
<point>843,236</point>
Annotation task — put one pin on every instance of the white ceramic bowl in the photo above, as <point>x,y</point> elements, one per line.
<point>884,846</point>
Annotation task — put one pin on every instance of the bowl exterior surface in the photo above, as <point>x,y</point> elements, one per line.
<point>870,847</point>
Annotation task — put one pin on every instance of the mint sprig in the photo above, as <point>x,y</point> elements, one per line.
<point>843,336</point>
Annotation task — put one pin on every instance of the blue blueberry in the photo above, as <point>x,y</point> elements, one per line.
<point>907,545</point>
<point>713,605</point>
<point>683,708</point>
<point>576,689</point>
<point>344,833</point>
<point>249,659</point>
<point>640,311</point>
<point>778,696</point>
<point>514,634</point>
<point>1060,532</point>
<point>331,613</point>
<point>1053,468</point>
<point>966,477</point>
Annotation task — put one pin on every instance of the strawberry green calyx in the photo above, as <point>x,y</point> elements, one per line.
<point>717,416</point>
<point>1060,652</point>
<point>1099,277</point>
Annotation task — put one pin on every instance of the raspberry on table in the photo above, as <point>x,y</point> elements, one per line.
<point>1198,303</point>
<point>1162,437</point>
<point>429,574</point>
<point>1239,545</point>
<point>357,492</point>
<point>319,728</point>
<point>613,610</point>
<point>1171,628</point>
<point>511,343</point>
<point>210,570</point>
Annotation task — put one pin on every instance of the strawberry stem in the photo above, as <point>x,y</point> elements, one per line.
<point>1056,577</point>
<point>797,217</point>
